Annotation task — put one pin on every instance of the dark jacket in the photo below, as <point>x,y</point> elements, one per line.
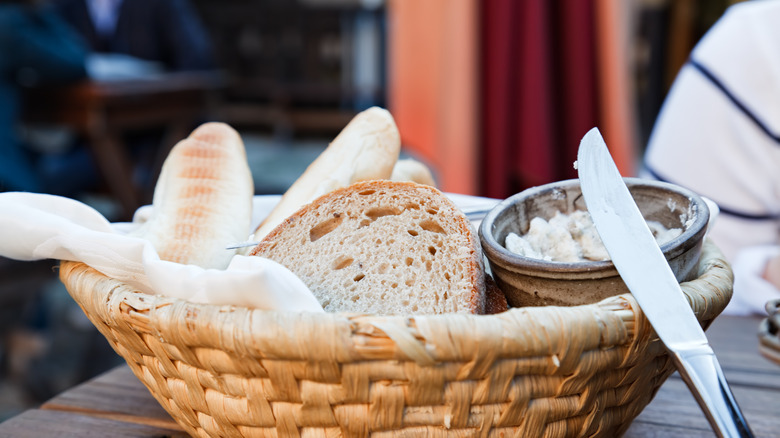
<point>165,31</point>
<point>36,48</point>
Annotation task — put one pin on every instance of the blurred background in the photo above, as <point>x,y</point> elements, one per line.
<point>492,95</point>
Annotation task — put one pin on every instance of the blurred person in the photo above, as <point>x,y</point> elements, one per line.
<point>718,133</point>
<point>36,48</point>
<point>166,32</point>
<point>136,38</point>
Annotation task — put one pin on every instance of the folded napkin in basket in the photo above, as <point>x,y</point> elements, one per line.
<point>38,226</point>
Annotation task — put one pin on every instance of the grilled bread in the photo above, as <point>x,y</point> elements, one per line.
<point>202,200</point>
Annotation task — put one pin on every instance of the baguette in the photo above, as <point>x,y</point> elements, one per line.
<point>410,169</point>
<point>366,149</point>
<point>202,200</point>
<point>383,247</point>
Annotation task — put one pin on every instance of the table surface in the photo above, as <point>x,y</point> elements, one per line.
<point>91,92</point>
<point>103,111</point>
<point>116,401</point>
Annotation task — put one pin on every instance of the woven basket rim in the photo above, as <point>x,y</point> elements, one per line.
<point>422,338</point>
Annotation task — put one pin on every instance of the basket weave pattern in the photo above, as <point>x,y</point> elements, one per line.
<point>536,372</point>
<point>769,332</point>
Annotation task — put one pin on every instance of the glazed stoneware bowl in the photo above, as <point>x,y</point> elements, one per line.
<point>530,281</point>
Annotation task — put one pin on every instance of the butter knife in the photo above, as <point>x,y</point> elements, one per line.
<point>643,267</point>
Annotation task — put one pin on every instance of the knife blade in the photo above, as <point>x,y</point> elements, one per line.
<point>644,269</point>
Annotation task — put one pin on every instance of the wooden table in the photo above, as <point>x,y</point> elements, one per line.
<point>103,111</point>
<point>117,404</point>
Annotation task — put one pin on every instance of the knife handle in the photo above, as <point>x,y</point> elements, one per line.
<point>702,373</point>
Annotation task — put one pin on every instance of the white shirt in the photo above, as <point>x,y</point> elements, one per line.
<point>718,133</point>
<point>104,14</point>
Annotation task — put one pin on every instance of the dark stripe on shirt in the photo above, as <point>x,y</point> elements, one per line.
<point>741,106</point>
<point>727,211</point>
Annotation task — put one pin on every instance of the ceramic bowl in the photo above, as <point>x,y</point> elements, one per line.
<point>535,282</point>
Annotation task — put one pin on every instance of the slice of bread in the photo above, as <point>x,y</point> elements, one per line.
<point>383,247</point>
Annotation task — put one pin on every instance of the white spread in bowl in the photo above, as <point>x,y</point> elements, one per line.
<point>571,238</point>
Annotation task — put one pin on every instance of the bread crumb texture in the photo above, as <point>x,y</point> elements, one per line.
<point>383,247</point>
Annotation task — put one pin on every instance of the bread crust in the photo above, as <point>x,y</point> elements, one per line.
<point>410,169</point>
<point>349,213</point>
<point>495,299</point>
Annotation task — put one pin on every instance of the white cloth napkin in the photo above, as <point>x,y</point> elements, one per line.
<point>748,266</point>
<point>38,226</point>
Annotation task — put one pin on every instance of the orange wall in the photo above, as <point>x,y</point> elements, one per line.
<point>433,65</point>
<point>613,18</point>
<point>432,86</point>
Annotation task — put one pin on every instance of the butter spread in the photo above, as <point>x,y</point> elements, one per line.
<point>571,238</point>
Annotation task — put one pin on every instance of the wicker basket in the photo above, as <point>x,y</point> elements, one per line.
<point>769,332</point>
<point>532,372</point>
